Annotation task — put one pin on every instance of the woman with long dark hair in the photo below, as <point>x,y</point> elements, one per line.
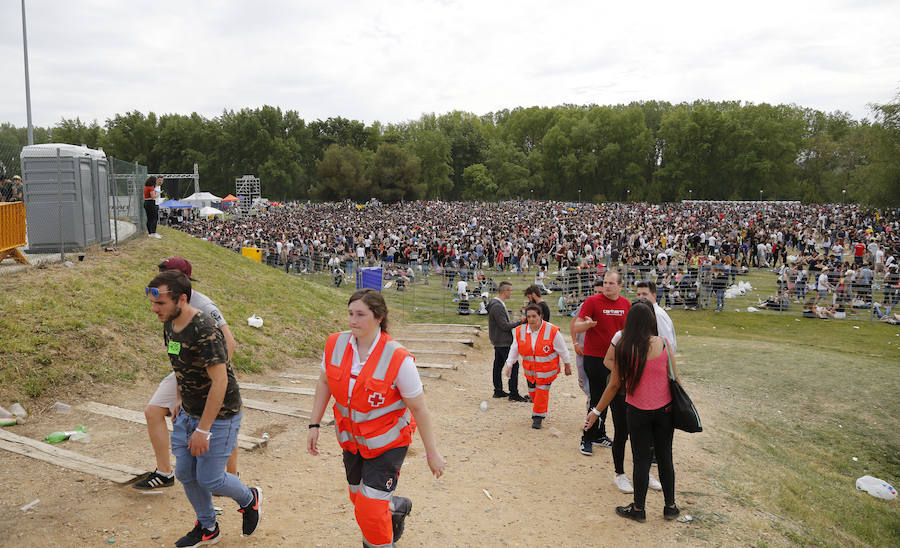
<point>639,362</point>
<point>150,207</point>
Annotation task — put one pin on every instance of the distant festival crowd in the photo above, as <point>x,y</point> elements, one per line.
<point>849,243</point>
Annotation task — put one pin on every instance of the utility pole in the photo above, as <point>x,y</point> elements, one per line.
<point>27,80</point>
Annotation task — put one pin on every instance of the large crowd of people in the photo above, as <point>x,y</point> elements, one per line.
<point>676,244</point>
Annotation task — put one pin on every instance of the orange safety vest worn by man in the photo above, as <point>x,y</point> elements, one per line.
<point>540,346</point>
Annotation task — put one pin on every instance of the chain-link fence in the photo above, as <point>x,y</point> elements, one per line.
<point>430,292</point>
<point>74,197</point>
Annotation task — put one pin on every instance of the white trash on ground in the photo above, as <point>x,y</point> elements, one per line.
<point>752,309</point>
<point>255,321</point>
<point>62,408</point>
<point>483,406</point>
<point>738,290</point>
<point>17,410</point>
<point>876,487</point>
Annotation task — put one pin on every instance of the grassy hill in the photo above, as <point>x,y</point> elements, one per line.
<point>91,323</point>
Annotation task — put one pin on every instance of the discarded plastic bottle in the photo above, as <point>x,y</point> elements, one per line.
<point>56,437</point>
<point>876,487</point>
<point>7,421</point>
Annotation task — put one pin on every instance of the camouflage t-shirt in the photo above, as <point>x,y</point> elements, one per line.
<point>200,345</point>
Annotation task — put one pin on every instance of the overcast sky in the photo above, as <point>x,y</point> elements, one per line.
<point>392,61</point>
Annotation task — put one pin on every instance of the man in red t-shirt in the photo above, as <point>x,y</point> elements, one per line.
<point>859,251</point>
<point>600,317</point>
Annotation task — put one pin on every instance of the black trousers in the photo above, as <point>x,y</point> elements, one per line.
<point>620,423</point>
<point>152,215</point>
<point>597,375</point>
<point>651,429</point>
<point>500,355</point>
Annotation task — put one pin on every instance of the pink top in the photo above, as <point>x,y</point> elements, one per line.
<point>652,392</point>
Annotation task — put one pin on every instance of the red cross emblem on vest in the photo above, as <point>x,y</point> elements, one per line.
<point>376,399</point>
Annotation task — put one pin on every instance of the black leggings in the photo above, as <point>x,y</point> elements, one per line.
<point>152,215</point>
<point>651,428</point>
<point>620,423</point>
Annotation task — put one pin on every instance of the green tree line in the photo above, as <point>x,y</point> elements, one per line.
<point>652,151</point>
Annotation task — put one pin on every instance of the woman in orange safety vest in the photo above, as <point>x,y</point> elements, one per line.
<point>540,346</point>
<point>378,405</point>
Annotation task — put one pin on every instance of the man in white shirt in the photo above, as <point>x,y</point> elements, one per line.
<point>539,388</point>
<point>664,326</point>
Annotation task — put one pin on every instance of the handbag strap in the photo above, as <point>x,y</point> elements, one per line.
<point>671,373</point>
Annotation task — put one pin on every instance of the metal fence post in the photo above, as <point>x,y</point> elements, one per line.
<point>111,182</point>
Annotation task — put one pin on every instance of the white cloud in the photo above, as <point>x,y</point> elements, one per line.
<point>393,61</point>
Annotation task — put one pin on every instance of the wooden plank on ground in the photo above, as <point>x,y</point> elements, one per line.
<point>118,473</point>
<point>436,366</point>
<point>467,342</point>
<point>429,374</point>
<point>244,442</point>
<point>283,410</point>
<point>448,325</point>
<point>437,353</point>
<point>303,376</point>
<point>279,389</point>
<point>443,331</point>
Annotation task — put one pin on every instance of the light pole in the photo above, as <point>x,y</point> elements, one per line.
<point>690,194</point>
<point>532,194</point>
<point>760,195</point>
<point>579,195</point>
<point>27,80</point>
<point>628,195</point>
<point>843,196</point>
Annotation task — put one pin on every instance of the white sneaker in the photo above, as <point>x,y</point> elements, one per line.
<point>654,483</point>
<point>623,484</point>
<point>157,236</point>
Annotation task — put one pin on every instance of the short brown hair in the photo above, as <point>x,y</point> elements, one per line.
<point>176,281</point>
<point>503,285</point>
<point>375,301</point>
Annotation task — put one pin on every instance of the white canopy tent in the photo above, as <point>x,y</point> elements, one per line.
<point>208,211</point>
<point>202,199</point>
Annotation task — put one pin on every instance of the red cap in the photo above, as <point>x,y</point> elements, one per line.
<point>178,263</point>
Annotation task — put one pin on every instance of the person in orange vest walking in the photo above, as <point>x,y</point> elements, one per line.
<point>540,346</point>
<point>379,402</point>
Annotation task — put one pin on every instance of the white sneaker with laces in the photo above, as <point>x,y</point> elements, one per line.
<point>623,483</point>
<point>654,483</point>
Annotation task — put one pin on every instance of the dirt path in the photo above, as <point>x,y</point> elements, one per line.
<point>543,491</point>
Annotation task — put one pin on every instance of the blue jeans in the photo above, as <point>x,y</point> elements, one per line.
<point>204,475</point>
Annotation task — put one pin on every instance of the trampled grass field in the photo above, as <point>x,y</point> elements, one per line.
<point>794,409</point>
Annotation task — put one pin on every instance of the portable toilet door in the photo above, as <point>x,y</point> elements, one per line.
<point>100,181</point>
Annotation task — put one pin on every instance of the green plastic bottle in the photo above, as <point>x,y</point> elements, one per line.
<point>57,437</point>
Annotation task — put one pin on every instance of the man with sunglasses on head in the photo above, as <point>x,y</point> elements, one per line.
<point>166,400</point>
<point>205,431</point>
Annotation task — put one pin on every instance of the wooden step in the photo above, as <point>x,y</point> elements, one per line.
<point>279,389</point>
<point>447,325</point>
<point>303,376</point>
<point>118,473</point>
<point>441,331</point>
<point>437,353</point>
<point>429,374</point>
<point>436,366</point>
<point>283,410</point>
<point>467,342</point>
<point>244,442</point>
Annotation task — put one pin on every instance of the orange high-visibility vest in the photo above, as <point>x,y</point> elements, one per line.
<point>541,363</point>
<point>374,417</point>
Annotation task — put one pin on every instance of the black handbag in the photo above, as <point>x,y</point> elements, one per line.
<point>684,414</point>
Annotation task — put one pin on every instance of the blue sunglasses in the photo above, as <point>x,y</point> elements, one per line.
<point>154,292</point>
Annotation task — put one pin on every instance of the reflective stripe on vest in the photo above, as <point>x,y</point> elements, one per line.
<point>545,337</point>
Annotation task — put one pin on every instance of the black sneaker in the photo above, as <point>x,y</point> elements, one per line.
<point>587,448</point>
<point>536,422</point>
<point>251,512</point>
<point>501,394</point>
<point>604,441</point>
<point>630,513</point>
<point>199,536</point>
<point>519,398</point>
<point>155,480</point>
<point>671,513</point>
<point>402,508</point>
